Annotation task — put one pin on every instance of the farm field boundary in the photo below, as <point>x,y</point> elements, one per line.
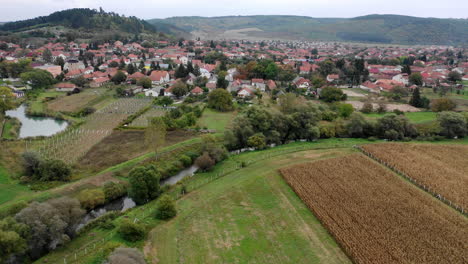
<point>377,217</point>
<point>420,185</point>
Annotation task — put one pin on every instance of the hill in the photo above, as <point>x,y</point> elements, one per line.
<point>81,21</point>
<point>393,29</point>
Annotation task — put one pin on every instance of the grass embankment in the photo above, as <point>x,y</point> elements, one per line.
<point>215,120</point>
<point>9,189</point>
<point>11,128</point>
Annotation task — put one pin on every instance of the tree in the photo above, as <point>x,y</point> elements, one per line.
<point>288,102</point>
<point>11,243</point>
<point>398,92</point>
<point>119,77</point>
<point>204,162</point>
<point>47,228</point>
<point>332,94</point>
<point>31,161</point>
<point>131,69</point>
<point>79,81</point>
<point>452,124</point>
<point>358,126</point>
<point>345,110</point>
<point>144,184</point>
<point>38,78</point>
<point>454,76</point>
<point>6,100</point>
<point>181,72</point>
<point>442,104</point>
<point>326,67</point>
<point>53,170</point>
<point>165,208</point>
<point>69,210</point>
<point>257,141</point>
<point>196,70</point>
<point>190,68</point>
<point>395,127</point>
<point>59,61</point>
<point>271,71</point>
<point>416,78</point>
<point>145,82</point>
<point>47,56</point>
<point>406,69</point>
<point>12,238</point>
<point>180,89</point>
<point>221,100</point>
<point>367,107</point>
<point>126,256</point>
<point>131,231</point>
<point>164,101</point>
<point>155,134</point>
<point>416,99</point>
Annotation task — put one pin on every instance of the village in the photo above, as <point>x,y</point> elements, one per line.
<point>204,66</point>
<point>232,139</point>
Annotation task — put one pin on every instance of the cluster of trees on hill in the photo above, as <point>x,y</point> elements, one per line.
<point>83,18</point>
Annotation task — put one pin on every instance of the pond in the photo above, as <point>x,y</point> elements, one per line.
<point>36,126</point>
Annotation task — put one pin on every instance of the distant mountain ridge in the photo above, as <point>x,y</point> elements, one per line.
<point>392,29</point>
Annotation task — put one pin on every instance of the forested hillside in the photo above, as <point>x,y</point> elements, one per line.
<point>394,29</point>
<point>82,18</point>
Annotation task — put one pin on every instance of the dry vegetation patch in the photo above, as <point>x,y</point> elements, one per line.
<point>376,216</point>
<point>73,102</point>
<point>444,168</point>
<point>124,145</point>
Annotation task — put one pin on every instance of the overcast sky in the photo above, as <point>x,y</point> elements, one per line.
<point>22,9</point>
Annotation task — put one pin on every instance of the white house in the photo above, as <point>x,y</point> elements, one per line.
<point>402,77</point>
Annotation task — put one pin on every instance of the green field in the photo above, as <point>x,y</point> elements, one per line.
<point>414,117</point>
<point>218,121</point>
<point>249,216</point>
<point>9,190</point>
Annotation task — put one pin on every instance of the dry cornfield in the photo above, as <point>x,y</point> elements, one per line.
<point>444,168</point>
<point>376,216</point>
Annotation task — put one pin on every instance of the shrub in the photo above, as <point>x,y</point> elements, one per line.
<point>107,217</point>
<point>131,231</point>
<point>113,190</point>
<point>165,208</point>
<point>205,162</point>
<point>53,170</point>
<point>91,198</point>
<point>332,94</point>
<point>452,124</point>
<point>345,110</point>
<point>185,160</point>
<point>442,104</point>
<point>367,108</point>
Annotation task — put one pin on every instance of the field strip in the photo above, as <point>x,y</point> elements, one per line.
<point>423,186</point>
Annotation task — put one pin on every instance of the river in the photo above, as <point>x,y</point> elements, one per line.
<point>36,126</point>
<point>124,203</point>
